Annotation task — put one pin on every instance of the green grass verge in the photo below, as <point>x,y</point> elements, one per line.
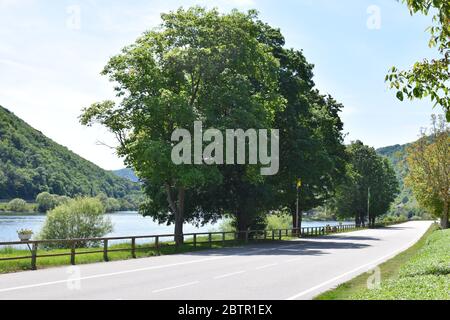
<point>421,272</point>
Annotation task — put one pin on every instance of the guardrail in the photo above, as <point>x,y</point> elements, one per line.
<point>194,239</point>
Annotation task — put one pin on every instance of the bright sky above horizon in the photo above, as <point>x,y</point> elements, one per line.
<point>51,54</point>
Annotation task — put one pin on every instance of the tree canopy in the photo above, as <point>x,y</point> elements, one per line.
<point>429,170</point>
<point>369,188</point>
<point>230,71</point>
<point>428,78</point>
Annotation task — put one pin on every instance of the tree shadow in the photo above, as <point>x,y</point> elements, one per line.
<point>282,248</point>
<point>355,238</point>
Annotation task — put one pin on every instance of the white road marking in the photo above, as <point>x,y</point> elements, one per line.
<point>367,266</point>
<point>267,266</point>
<point>176,287</point>
<point>43,284</point>
<point>229,275</point>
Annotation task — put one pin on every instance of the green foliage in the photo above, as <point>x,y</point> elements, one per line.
<point>277,222</point>
<point>428,78</point>
<point>429,175</point>
<point>369,187</point>
<point>199,65</point>
<point>78,218</point>
<point>46,201</point>
<point>30,163</point>
<point>17,205</point>
<point>405,204</point>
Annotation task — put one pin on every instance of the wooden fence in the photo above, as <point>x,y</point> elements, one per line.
<point>79,246</point>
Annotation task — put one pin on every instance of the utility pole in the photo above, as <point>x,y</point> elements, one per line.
<point>299,184</point>
<point>368,205</point>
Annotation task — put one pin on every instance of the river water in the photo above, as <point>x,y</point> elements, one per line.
<point>125,224</point>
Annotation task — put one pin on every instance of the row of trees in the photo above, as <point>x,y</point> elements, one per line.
<point>230,71</point>
<point>46,202</point>
<point>369,188</point>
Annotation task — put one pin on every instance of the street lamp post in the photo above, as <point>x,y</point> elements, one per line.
<point>299,184</point>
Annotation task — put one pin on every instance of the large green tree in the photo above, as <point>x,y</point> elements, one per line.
<point>369,188</point>
<point>311,131</point>
<point>428,78</point>
<point>199,65</point>
<point>429,170</point>
<point>311,147</point>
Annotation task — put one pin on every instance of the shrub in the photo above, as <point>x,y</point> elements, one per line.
<point>46,201</point>
<point>276,222</point>
<point>78,218</point>
<point>17,205</point>
<point>112,205</point>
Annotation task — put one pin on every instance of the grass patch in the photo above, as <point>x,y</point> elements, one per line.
<point>420,272</point>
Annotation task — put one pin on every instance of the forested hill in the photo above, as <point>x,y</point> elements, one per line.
<point>406,203</point>
<point>31,163</point>
<point>126,173</point>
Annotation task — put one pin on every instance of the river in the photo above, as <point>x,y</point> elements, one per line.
<point>125,224</point>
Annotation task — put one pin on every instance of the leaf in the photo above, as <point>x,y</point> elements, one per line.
<point>400,95</point>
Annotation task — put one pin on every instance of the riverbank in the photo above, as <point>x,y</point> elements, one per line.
<point>421,272</point>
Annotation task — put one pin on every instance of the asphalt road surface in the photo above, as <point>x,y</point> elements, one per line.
<point>292,270</point>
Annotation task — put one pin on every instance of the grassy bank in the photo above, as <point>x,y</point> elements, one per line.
<point>421,272</point>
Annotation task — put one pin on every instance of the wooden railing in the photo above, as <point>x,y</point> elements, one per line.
<point>79,246</point>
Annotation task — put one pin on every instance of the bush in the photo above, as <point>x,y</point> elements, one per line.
<point>17,205</point>
<point>78,218</point>
<point>276,222</point>
<point>112,205</point>
<point>46,201</point>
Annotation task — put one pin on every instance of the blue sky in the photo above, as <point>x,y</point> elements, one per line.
<point>51,53</point>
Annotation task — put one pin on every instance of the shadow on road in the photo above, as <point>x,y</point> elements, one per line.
<point>299,248</point>
<point>355,238</point>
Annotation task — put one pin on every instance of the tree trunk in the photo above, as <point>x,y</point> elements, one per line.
<point>362,220</point>
<point>241,225</point>
<point>177,208</point>
<point>357,222</point>
<point>179,218</point>
<point>444,218</point>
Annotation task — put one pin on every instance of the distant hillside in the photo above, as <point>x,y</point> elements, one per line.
<point>31,163</point>
<point>406,203</point>
<point>126,173</point>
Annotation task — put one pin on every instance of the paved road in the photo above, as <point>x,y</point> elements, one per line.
<point>290,270</point>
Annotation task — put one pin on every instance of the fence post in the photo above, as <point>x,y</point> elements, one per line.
<point>195,240</point>
<point>105,250</point>
<point>265,234</point>
<point>280,234</point>
<point>157,245</point>
<point>246,236</point>
<point>210,240</point>
<point>34,256</point>
<point>223,239</point>
<point>72,253</point>
<point>133,248</point>
<point>273,235</point>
